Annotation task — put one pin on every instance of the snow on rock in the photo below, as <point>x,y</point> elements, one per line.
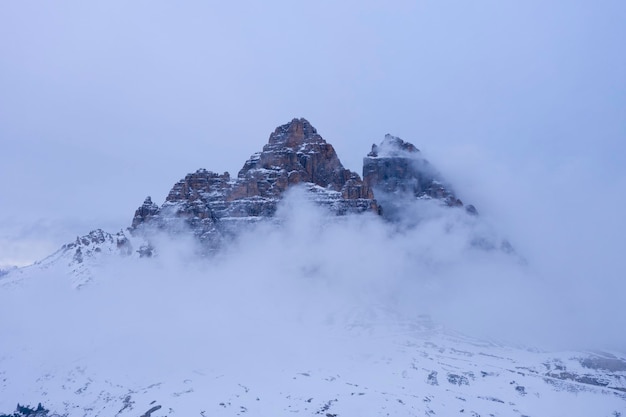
<point>212,205</point>
<point>396,167</point>
<point>78,258</point>
<point>294,155</point>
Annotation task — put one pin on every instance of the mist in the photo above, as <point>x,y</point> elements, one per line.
<point>308,287</point>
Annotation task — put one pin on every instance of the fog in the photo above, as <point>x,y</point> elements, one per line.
<point>309,288</point>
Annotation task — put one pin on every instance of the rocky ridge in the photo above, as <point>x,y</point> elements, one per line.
<point>83,254</point>
<point>396,170</point>
<point>213,204</point>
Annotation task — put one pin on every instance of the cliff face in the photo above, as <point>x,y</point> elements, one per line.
<point>297,154</point>
<point>396,170</point>
<point>213,204</point>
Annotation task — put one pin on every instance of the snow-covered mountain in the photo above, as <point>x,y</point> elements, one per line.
<point>297,288</point>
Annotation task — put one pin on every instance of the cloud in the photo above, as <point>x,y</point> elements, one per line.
<point>291,287</point>
<point>562,212</point>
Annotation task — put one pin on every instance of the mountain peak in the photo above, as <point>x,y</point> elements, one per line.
<point>393,146</point>
<point>215,205</point>
<point>294,134</point>
<point>295,154</point>
<point>397,168</point>
<point>147,210</point>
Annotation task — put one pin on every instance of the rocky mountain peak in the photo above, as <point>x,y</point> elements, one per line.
<point>212,204</point>
<point>294,154</point>
<point>215,205</point>
<point>396,170</point>
<point>294,134</point>
<point>147,210</point>
<point>393,146</point>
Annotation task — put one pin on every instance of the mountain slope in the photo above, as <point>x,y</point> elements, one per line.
<point>360,367</point>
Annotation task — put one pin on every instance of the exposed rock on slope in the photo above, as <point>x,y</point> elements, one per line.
<point>86,251</point>
<point>396,170</point>
<point>95,242</point>
<point>296,154</point>
<point>398,174</point>
<point>144,213</point>
<point>214,204</point>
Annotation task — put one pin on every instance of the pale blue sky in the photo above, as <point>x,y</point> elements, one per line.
<point>521,104</point>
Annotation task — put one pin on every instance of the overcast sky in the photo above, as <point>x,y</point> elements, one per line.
<point>521,105</point>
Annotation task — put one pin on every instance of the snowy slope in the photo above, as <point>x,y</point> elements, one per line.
<point>85,359</point>
<point>418,371</point>
<point>77,259</point>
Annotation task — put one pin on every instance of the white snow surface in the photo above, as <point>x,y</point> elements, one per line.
<point>97,352</point>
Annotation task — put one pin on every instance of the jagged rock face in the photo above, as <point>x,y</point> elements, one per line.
<point>147,210</point>
<point>296,153</point>
<point>213,204</point>
<point>95,242</point>
<point>398,173</point>
<point>396,169</point>
<point>85,251</point>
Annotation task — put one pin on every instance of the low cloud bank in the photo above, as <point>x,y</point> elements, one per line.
<point>289,289</point>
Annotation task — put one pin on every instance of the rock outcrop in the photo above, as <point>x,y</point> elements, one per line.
<point>96,241</point>
<point>144,213</point>
<point>398,174</point>
<point>88,251</point>
<point>396,170</point>
<point>214,207</point>
<point>213,204</point>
